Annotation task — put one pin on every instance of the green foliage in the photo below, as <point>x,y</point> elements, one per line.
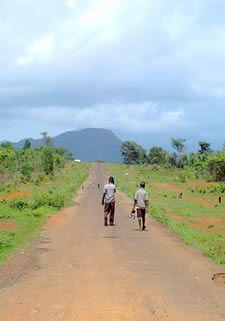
<point>29,165</point>
<point>216,251</point>
<point>157,155</point>
<point>159,216</point>
<point>204,147</point>
<point>133,153</point>
<point>19,203</point>
<point>178,144</point>
<point>7,156</point>
<point>218,189</point>
<point>6,240</point>
<point>182,177</point>
<point>7,145</point>
<point>26,171</point>
<point>27,144</point>
<point>29,213</point>
<point>48,160</point>
<point>49,199</point>
<point>216,167</point>
<point>61,151</point>
<point>47,139</point>
<point>165,203</point>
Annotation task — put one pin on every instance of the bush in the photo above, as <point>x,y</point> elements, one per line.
<point>51,200</point>
<point>48,160</point>
<point>216,251</point>
<point>5,211</point>
<point>158,216</point>
<point>19,204</point>
<point>182,177</point>
<point>216,167</point>
<point>219,189</point>
<point>6,239</point>
<point>26,171</point>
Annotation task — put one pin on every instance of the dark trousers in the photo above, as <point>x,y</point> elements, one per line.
<point>109,209</point>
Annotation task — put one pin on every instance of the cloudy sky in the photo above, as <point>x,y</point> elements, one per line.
<point>149,70</point>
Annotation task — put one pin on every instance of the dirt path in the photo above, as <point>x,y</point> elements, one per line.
<point>87,272</point>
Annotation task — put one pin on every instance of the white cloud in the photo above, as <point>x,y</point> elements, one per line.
<point>167,52</point>
<point>71,4</point>
<point>142,117</point>
<point>39,51</point>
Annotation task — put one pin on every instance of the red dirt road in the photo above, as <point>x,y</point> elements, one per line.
<point>88,272</point>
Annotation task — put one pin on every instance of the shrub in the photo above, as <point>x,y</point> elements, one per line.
<point>216,251</point>
<point>48,160</point>
<point>158,216</point>
<point>26,171</point>
<point>51,200</point>
<point>6,239</point>
<point>182,177</point>
<point>19,204</point>
<point>216,167</point>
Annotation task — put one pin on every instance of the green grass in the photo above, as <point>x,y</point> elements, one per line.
<point>29,213</point>
<point>164,203</point>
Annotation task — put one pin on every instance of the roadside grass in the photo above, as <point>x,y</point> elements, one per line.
<point>29,213</point>
<point>166,201</point>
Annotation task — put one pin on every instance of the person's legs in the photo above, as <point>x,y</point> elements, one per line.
<point>106,213</point>
<point>143,220</point>
<point>112,213</point>
<point>139,216</point>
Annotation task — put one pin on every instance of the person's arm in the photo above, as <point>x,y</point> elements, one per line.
<point>103,199</point>
<point>146,200</point>
<point>103,196</point>
<point>135,203</point>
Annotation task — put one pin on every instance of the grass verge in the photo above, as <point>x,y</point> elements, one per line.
<point>29,213</point>
<point>164,202</point>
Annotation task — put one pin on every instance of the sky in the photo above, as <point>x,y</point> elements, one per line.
<point>148,70</point>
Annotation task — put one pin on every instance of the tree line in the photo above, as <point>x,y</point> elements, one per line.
<point>204,161</point>
<point>30,164</point>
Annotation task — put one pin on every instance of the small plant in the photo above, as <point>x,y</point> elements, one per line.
<point>159,217</point>
<point>48,160</point>
<point>182,178</point>
<point>6,239</point>
<point>51,200</point>
<point>216,251</point>
<point>19,204</point>
<point>216,167</point>
<point>26,172</point>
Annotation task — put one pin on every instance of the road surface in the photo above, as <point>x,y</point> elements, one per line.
<point>84,271</point>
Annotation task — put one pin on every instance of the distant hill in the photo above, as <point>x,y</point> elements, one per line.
<point>89,144</point>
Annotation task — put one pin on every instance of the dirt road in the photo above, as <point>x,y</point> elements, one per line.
<point>87,272</point>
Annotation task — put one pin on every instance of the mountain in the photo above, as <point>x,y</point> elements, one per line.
<point>89,144</point>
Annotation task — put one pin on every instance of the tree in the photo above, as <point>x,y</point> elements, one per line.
<point>178,145</point>
<point>216,167</point>
<point>172,159</point>
<point>47,139</point>
<point>157,155</point>
<point>204,147</point>
<point>133,153</point>
<point>48,160</point>
<point>27,144</point>
<point>63,152</point>
<point>8,145</point>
